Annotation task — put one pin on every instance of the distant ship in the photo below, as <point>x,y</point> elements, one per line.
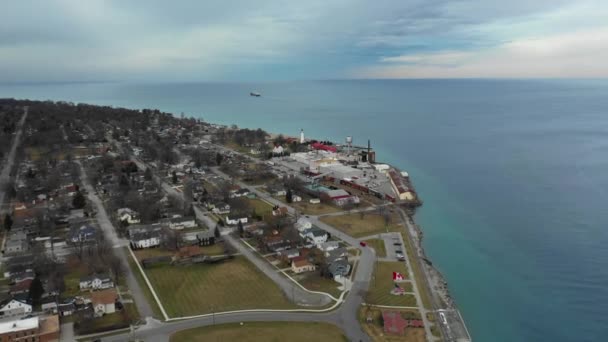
<point>255,94</point>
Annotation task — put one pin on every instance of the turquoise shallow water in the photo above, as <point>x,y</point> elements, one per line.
<point>514,175</point>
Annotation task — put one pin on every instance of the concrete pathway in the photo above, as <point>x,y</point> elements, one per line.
<point>67,332</point>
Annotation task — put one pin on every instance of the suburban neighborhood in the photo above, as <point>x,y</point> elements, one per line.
<point>123,224</point>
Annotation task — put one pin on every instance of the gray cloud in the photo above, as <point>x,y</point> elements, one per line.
<point>199,40</point>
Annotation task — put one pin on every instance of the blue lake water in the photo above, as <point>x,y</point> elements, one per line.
<point>514,177</point>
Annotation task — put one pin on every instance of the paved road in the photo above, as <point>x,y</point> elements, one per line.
<point>10,159</point>
<point>110,233</point>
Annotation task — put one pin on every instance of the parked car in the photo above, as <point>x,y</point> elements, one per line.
<point>397,243</point>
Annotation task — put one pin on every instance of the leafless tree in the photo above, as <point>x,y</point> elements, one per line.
<point>172,239</point>
<point>116,266</point>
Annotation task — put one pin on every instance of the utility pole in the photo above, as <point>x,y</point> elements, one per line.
<point>213,313</point>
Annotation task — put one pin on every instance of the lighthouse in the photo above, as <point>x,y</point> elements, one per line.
<point>302,136</point>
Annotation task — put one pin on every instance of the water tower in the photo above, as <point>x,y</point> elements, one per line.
<point>349,143</point>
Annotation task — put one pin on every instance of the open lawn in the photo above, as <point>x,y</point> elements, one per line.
<point>378,246</point>
<point>314,282</point>
<point>261,208</point>
<point>215,249</point>
<point>203,288</point>
<point>376,330</point>
<point>382,283</point>
<point>145,253</point>
<point>263,332</point>
<point>356,226</point>
<point>71,280</point>
<point>314,209</point>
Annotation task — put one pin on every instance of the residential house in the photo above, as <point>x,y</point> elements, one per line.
<point>206,237</point>
<point>15,306</point>
<point>145,239</point>
<point>302,224</point>
<point>22,275</point>
<point>301,264</point>
<point>22,287</point>
<point>16,243</point>
<point>279,211</point>
<point>96,282</point>
<point>104,302</point>
<point>276,190</point>
<point>328,246</point>
<point>82,233</point>
<point>239,193</point>
<point>289,254</point>
<point>49,304</point>
<point>234,220</point>
<point>256,228</point>
<point>315,235</point>
<point>66,309</point>
<point>339,268</point>
<point>336,254</point>
<point>220,208</point>
<point>128,215</point>
<point>178,223</point>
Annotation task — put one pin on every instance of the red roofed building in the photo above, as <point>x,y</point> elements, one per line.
<point>328,148</point>
<point>21,287</point>
<point>394,324</point>
<point>415,323</point>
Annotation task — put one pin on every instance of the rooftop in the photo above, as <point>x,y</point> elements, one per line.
<point>104,297</point>
<point>19,325</point>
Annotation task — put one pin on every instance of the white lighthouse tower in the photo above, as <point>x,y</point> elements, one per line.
<point>302,136</point>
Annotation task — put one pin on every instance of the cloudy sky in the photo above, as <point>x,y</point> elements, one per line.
<point>239,40</point>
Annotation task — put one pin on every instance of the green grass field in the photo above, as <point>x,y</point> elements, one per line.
<point>378,246</point>
<point>261,208</point>
<point>263,332</point>
<point>314,282</point>
<point>380,286</point>
<point>355,226</point>
<point>313,209</point>
<point>231,285</point>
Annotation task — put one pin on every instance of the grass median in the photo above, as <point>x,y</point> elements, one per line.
<point>263,332</point>
<point>357,225</point>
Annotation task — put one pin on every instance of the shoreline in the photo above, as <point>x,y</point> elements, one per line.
<point>442,302</point>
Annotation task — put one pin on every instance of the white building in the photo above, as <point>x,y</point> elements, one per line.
<point>145,239</point>
<point>235,220</point>
<point>128,215</point>
<point>14,307</point>
<point>104,302</point>
<point>96,282</point>
<point>316,236</point>
<point>329,246</point>
<point>19,327</point>
<point>302,224</point>
<point>179,223</point>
